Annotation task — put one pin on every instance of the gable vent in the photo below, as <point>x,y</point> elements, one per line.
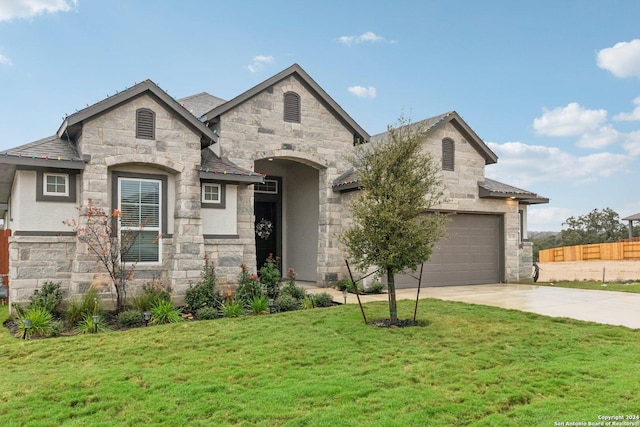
<point>145,124</point>
<point>448,154</point>
<point>292,107</point>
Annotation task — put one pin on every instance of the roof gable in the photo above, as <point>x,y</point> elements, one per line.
<point>73,123</point>
<point>313,87</point>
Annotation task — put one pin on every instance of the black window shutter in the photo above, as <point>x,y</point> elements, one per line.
<point>448,155</point>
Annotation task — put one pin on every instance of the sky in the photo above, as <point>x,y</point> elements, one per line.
<point>553,87</point>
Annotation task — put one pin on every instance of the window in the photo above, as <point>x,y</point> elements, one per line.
<point>55,184</point>
<point>145,124</point>
<point>292,107</point>
<point>213,195</point>
<point>270,186</point>
<point>140,207</point>
<point>448,154</point>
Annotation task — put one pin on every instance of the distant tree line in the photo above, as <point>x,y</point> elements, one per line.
<point>598,226</point>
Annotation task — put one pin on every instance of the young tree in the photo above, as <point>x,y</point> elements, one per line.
<point>100,233</point>
<point>393,228</point>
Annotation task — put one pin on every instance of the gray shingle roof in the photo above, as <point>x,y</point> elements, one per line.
<point>635,217</point>
<point>49,148</point>
<point>223,169</point>
<point>490,188</point>
<point>200,103</point>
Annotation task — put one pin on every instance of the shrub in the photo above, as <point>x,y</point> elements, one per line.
<point>42,323</point>
<point>249,286</point>
<point>164,312</point>
<point>206,313</point>
<point>286,302</point>
<point>152,292</point>
<point>130,318</point>
<point>323,300</point>
<point>297,292</point>
<point>375,288</point>
<point>232,308</point>
<point>204,293</point>
<point>88,326</point>
<point>259,305</point>
<point>345,284</point>
<point>270,276</point>
<point>75,310</point>
<point>48,297</point>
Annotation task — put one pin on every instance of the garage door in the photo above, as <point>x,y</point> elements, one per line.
<point>471,254</point>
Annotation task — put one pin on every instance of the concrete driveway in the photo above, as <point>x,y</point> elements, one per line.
<point>607,307</point>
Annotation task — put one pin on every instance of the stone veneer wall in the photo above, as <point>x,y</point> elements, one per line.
<point>256,130</point>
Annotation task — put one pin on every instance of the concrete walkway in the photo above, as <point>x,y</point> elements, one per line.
<point>607,307</point>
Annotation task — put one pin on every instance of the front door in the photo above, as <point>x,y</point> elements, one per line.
<point>267,210</point>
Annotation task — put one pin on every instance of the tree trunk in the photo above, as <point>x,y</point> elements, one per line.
<point>393,307</point>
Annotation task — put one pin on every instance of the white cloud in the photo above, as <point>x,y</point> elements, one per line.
<point>632,116</point>
<point>16,9</point>
<point>259,62</point>
<point>4,60</point>
<point>632,143</point>
<point>569,120</point>
<point>547,218</point>
<point>363,92</point>
<point>523,165</point>
<point>369,36</point>
<point>602,137</point>
<point>623,59</point>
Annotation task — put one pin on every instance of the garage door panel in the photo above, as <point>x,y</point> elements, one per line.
<point>470,254</point>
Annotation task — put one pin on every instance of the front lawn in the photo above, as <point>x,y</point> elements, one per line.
<point>597,286</point>
<point>472,365</point>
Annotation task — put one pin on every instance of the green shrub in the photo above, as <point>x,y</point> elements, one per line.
<point>206,313</point>
<point>375,288</point>
<point>88,326</point>
<point>297,292</point>
<point>323,300</point>
<point>204,293</point>
<point>151,293</point>
<point>249,286</point>
<point>164,312</point>
<point>270,276</point>
<point>130,318</point>
<point>232,308</point>
<point>286,302</point>
<point>48,297</point>
<point>42,323</point>
<point>259,305</point>
<point>75,310</point>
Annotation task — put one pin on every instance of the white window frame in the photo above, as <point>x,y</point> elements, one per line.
<point>141,227</point>
<point>204,192</point>
<point>45,191</point>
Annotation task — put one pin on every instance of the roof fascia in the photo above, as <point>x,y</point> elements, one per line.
<point>306,79</point>
<point>231,178</point>
<point>36,162</point>
<point>462,127</point>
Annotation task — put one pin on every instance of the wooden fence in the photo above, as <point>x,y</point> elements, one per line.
<point>618,251</point>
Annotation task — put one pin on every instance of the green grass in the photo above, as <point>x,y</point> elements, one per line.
<point>471,365</point>
<point>594,285</point>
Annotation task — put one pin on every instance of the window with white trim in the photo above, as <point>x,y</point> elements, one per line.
<point>269,186</point>
<point>140,206</point>
<point>55,184</point>
<point>211,193</point>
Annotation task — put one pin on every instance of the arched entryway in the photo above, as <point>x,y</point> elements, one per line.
<point>287,211</point>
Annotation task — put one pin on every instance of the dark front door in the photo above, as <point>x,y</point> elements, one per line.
<point>266,231</point>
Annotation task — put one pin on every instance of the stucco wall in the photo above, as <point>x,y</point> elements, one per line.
<point>222,221</point>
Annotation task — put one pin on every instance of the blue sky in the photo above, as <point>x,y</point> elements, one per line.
<point>552,86</point>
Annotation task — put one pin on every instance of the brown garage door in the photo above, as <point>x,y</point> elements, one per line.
<point>470,255</point>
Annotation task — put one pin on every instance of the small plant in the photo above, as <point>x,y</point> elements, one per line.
<point>249,286</point>
<point>89,325</point>
<point>286,302</point>
<point>204,293</point>
<point>297,292</point>
<point>232,308</point>
<point>206,313</point>
<point>323,300</point>
<point>42,323</point>
<point>75,310</point>
<point>164,312</point>
<point>259,305</point>
<point>48,297</point>
<point>270,276</point>
<point>130,318</point>
<point>343,284</point>
<point>151,293</point>
<point>375,288</point>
